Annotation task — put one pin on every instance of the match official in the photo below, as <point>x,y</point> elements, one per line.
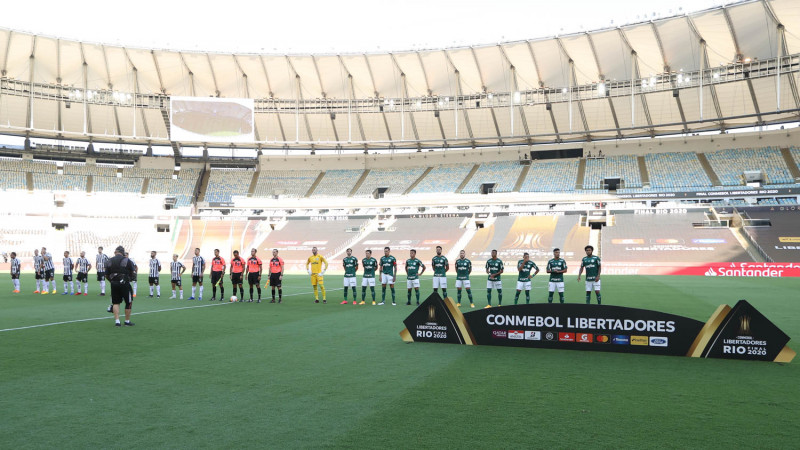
<point>119,272</point>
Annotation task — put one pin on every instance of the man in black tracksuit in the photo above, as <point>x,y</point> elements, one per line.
<point>119,272</point>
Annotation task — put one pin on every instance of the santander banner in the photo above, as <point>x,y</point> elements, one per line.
<point>713,269</point>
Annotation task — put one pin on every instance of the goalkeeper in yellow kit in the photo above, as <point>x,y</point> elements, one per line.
<point>314,267</point>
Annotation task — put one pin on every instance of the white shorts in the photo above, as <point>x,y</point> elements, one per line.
<point>368,282</point>
<point>592,285</point>
<point>349,281</point>
<point>412,283</point>
<point>555,284</point>
<point>462,283</point>
<point>440,282</point>
<point>494,284</point>
<point>387,279</point>
<point>523,285</point>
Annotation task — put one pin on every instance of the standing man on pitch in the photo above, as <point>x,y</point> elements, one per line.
<point>120,269</point>
<point>254,270</point>
<point>524,267</point>
<point>592,265</point>
<point>388,274</point>
<point>237,271</point>
<point>135,276</point>
<point>83,267</point>
<point>463,270</point>
<point>556,267</point>
<point>37,268</point>
<point>440,268</point>
<point>15,269</point>
<point>494,267</point>
<point>350,264</point>
<point>314,267</point>
<point>176,269</point>
<point>101,262</point>
<point>68,265</point>
<point>276,267</point>
<point>217,276</point>
<point>413,273</point>
<point>48,272</point>
<point>198,269</point>
<point>368,278</point>
<point>155,272</point>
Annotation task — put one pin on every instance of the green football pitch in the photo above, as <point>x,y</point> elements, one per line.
<point>299,374</point>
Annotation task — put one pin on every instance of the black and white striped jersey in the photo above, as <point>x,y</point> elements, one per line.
<point>14,266</point>
<point>198,264</point>
<point>155,267</point>
<point>83,265</point>
<point>135,266</point>
<point>67,266</point>
<point>37,263</point>
<point>175,268</point>
<point>101,262</point>
<point>47,264</point>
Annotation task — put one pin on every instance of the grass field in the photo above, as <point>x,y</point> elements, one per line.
<point>299,374</point>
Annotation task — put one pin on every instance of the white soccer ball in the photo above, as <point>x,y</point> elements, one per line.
<point>234,299</point>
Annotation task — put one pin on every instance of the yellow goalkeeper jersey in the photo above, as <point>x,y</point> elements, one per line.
<point>315,262</point>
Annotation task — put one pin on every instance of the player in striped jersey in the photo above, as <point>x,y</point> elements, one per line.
<point>176,269</point>
<point>68,275</point>
<point>37,268</point>
<point>15,272</point>
<point>101,262</point>
<point>48,269</point>
<point>198,267</point>
<point>134,275</point>
<point>155,270</point>
<point>83,266</point>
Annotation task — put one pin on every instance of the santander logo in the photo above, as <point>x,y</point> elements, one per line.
<point>710,272</point>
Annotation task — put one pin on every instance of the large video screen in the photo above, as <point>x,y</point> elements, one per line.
<point>211,119</point>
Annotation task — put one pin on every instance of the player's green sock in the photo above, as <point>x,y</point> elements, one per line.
<point>469,293</point>
<point>550,298</point>
<point>527,297</point>
<point>363,293</point>
<point>409,296</point>
<point>561,297</point>
<point>458,295</point>
<point>489,296</point>
<point>499,296</point>
<point>372,289</point>
<point>516,297</point>
<point>345,294</point>
<point>392,294</point>
<point>444,293</point>
<point>355,296</point>
<point>383,293</point>
<point>588,297</point>
<point>416,291</point>
<point>599,299</point>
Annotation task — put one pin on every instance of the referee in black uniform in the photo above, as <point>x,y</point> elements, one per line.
<point>119,272</point>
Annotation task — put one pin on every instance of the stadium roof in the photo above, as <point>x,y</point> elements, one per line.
<point>635,80</point>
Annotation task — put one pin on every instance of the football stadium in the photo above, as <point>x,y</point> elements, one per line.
<point>306,226</point>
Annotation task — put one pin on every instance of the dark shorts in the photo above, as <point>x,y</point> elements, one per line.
<point>177,282</point>
<point>38,275</point>
<point>101,276</point>
<point>275,279</point>
<point>121,292</point>
<point>197,279</point>
<point>236,278</point>
<point>67,277</point>
<point>15,276</point>
<point>49,274</point>
<point>252,278</point>
<point>216,277</point>
<point>153,281</point>
<point>82,277</point>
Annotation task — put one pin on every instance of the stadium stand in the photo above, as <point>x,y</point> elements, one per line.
<point>503,174</point>
<point>337,183</point>
<point>624,166</point>
<point>781,240</point>
<point>551,176</point>
<point>28,165</point>
<point>729,165</point>
<point>12,180</point>
<point>117,184</point>
<point>442,179</point>
<point>396,180</point>
<point>54,182</point>
<point>180,189</point>
<point>676,170</point>
<point>89,169</point>
<point>223,184</point>
<point>295,183</point>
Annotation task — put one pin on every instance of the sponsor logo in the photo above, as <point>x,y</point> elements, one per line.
<point>627,241</point>
<point>602,338</point>
<point>668,241</point>
<point>708,241</point>
<point>550,336</point>
<point>658,341</point>
<point>710,272</point>
<point>516,334</point>
<point>566,337</point>
<point>640,340</point>
<point>584,337</point>
<point>533,335</point>
<point>620,339</point>
<point>791,239</point>
<point>499,334</point>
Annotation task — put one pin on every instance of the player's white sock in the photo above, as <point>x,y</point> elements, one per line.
<point>173,292</point>
<point>201,291</point>
<point>158,291</point>
<point>151,291</point>
<point>103,286</point>
<point>72,287</point>
<point>135,287</point>
<point>181,291</point>
<point>194,289</point>
<point>86,287</point>
<point>16,285</point>
<point>65,286</point>
<point>38,284</point>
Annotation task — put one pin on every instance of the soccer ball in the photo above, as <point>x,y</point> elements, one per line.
<point>234,299</point>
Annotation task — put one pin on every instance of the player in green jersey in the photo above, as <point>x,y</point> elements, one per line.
<point>368,279</point>
<point>440,267</point>
<point>350,265</point>
<point>524,267</point>
<point>494,267</point>
<point>592,265</point>
<point>556,267</point>
<point>414,270</point>
<point>463,269</point>
<point>388,274</point>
